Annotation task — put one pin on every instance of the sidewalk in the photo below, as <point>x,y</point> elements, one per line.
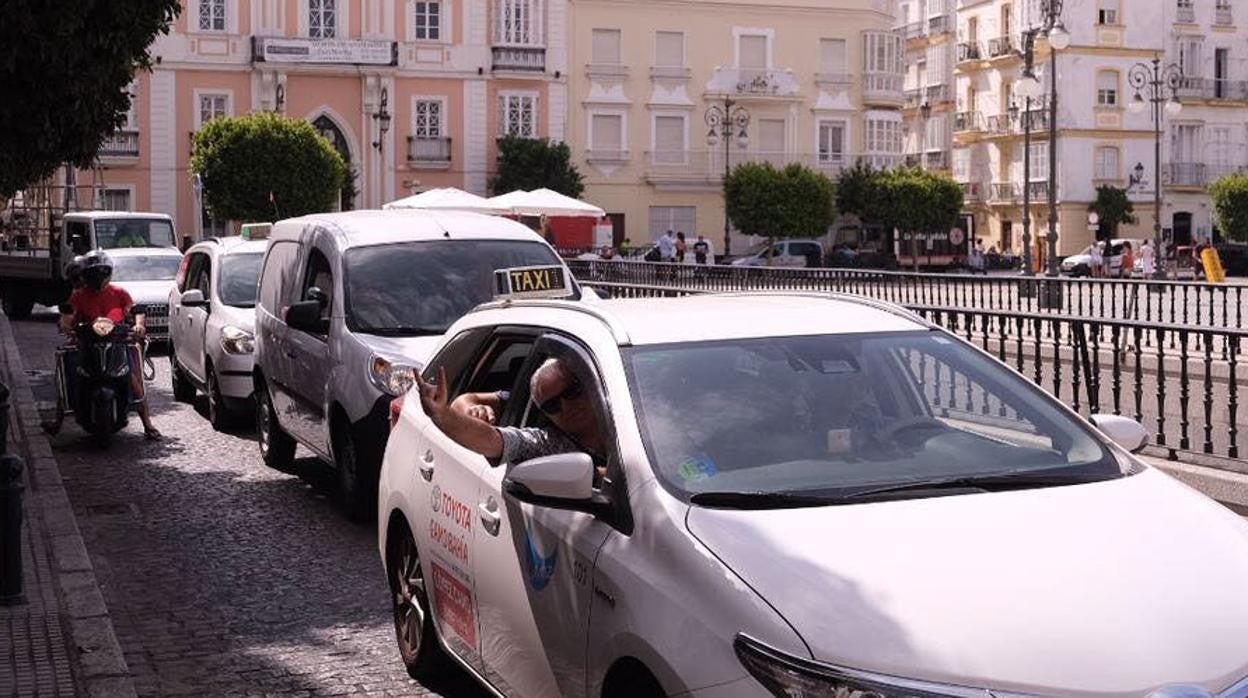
<point>61,642</point>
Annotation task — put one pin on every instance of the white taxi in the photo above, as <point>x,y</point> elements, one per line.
<point>795,495</point>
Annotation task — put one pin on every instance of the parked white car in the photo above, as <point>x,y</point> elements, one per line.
<point>213,326</point>
<point>148,274</point>
<point>795,495</point>
<point>1081,264</point>
<point>786,253</point>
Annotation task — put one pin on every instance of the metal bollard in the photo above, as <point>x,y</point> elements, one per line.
<point>11,531</point>
<point>4,418</point>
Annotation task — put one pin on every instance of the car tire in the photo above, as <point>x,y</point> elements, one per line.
<point>414,630</point>
<point>183,388</point>
<point>277,448</point>
<point>219,416</point>
<point>357,488</point>
<point>637,684</point>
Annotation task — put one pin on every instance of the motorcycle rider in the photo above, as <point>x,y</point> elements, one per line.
<point>98,298</point>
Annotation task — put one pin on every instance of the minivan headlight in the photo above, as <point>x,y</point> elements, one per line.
<point>787,676</point>
<point>391,377</point>
<point>235,340</point>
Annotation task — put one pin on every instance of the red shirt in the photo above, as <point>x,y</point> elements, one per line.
<point>111,302</point>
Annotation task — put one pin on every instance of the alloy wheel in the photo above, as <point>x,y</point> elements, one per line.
<point>409,598</point>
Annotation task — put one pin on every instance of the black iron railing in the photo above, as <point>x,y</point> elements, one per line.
<point>1192,304</point>
<point>1180,382</point>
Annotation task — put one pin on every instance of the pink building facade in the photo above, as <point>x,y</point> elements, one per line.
<point>451,75</point>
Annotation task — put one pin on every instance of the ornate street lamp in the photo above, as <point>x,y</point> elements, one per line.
<point>727,123</point>
<point>1156,82</point>
<point>1029,88</point>
<point>382,117</point>
<point>925,112</point>
<point>1059,39</point>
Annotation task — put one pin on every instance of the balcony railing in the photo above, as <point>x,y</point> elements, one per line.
<point>1038,191</point>
<point>881,161</point>
<point>970,51</point>
<point>937,93</point>
<point>121,144</point>
<point>425,150</point>
<point>936,160</point>
<point>913,160</point>
<point>1003,192</point>
<point>1186,14</point>
<point>1013,124</point>
<point>972,191</point>
<point>965,121</point>
<point>1216,88</point>
<point>1001,46</point>
<point>520,58</point>
<point>914,98</point>
<point>1185,174</point>
<point>883,87</point>
<point>707,166</point>
<point>1223,16</point>
<point>940,24</point>
<point>607,155</point>
<point>913,30</point>
<point>1191,87</point>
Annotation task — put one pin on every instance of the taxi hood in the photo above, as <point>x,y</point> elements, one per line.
<point>1110,588</point>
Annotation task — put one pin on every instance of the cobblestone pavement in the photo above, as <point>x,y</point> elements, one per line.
<point>224,577</point>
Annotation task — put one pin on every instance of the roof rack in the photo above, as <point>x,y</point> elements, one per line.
<point>617,328</point>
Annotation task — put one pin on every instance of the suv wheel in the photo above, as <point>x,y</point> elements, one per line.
<point>183,388</point>
<point>356,485</point>
<point>277,448</point>
<point>413,622</point>
<point>219,416</point>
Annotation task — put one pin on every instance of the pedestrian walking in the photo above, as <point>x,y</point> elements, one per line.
<point>1098,260</point>
<point>667,247</point>
<point>701,250</point>
<point>1148,259</point>
<point>1127,265</point>
<point>977,257</point>
<point>681,247</point>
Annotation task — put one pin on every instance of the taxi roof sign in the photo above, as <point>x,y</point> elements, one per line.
<point>255,231</point>
<point>546,281</point>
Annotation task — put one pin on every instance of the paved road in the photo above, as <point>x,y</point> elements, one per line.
<point>224,577</point>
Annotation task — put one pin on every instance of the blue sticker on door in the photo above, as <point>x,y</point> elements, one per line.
<point>540,568</point>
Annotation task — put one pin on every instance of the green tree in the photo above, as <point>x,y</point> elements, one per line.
<point>532,163</point>
<point>264,166</point>
<point>64,68</point>
<point>1230,202</point>
<point>793,202</point>
<point>1112,208</point>
<point>859,191</point>
<point>919,201</point>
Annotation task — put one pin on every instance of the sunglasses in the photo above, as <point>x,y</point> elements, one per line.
<point>554,405</point>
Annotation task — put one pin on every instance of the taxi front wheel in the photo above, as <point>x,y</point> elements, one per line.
<point>413,622</point>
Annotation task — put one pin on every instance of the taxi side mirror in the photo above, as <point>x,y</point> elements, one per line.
<point>1124,431</point>
<point>563,477</point>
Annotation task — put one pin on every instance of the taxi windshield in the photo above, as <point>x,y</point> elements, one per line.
<point>420,288</point>
<point>838,414</point>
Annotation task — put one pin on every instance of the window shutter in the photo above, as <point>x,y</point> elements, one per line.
<point>669,49</point>
<point>832,56</point>
<point>606,47</point>
<point>608,131</point>
<point>753,51</point>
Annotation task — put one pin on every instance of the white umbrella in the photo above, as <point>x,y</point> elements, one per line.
<point>544,202</point>
<point>448,199</point>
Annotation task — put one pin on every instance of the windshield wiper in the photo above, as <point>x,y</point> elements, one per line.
<point>403,331</point>
<point>990,482</point>
<point>760,500</point>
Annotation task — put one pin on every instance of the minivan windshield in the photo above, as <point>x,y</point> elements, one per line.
<point>842,415</point>
<point>159,267</point>
<point>112,233</point>
<point>420,288</point>
<point>238,279</point>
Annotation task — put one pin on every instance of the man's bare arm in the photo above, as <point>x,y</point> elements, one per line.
<point>482,406</point>
<point>470,432</point>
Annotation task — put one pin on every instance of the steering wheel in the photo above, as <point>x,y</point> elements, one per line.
<point>913,424</point>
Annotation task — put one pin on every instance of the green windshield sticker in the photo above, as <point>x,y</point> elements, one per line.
<point>696,468</point>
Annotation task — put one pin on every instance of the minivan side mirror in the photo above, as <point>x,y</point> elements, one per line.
<point>193,298</point>
<point>1124,431</point>
<point>316,294</point>
<point>305,316</point>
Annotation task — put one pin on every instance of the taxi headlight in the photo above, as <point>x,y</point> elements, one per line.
<point>391,377</point>
<point>786,676</point>
<point>103,326</point>
<point>237,341</point>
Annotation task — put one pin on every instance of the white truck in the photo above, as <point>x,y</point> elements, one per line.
<point>33,258</point>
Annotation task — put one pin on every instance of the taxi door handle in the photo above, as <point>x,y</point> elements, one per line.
<point>491,519</point>
<point>426,467</point>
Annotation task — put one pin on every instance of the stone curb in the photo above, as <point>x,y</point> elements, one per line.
<point>99,665</point>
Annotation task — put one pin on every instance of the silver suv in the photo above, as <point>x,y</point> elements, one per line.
<point>212,326</point>
<point>350,305</point>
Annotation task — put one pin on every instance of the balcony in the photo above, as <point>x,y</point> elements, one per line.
<point>1186,14</point>
<point>1185,174</point>
<point>612,156</point>
<point>123,143</point>
<point>937,93</point>
<point>913,160</point>
<point>882,88</point>
<point>527,59</point>
<point>940,24</point>
<point>970,51</point>
<point>1038,191</point>
<point>972,192</point>
<point>1222,16</point>
<point>914,98</point>
<point>1216,89</point>
<point>706,167</point>
<point>882,161</point>
<point>1003,193</point>
<point>913,30</point>
<point>936,160</point>
<point>1191,87</point>
<point>1002,46</point>
<point>1014,124</point>
<point>965,121</point>
<point>428,152</point>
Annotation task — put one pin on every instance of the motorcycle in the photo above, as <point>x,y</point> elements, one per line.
<point>93,375</point>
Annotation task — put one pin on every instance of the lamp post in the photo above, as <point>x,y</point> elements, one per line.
<point>727,122</point>
<point>925,112</point>
<point>1155,81</point>
<point>382,117</point>
<point>1051,26</point>
<point>1029,88</point>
